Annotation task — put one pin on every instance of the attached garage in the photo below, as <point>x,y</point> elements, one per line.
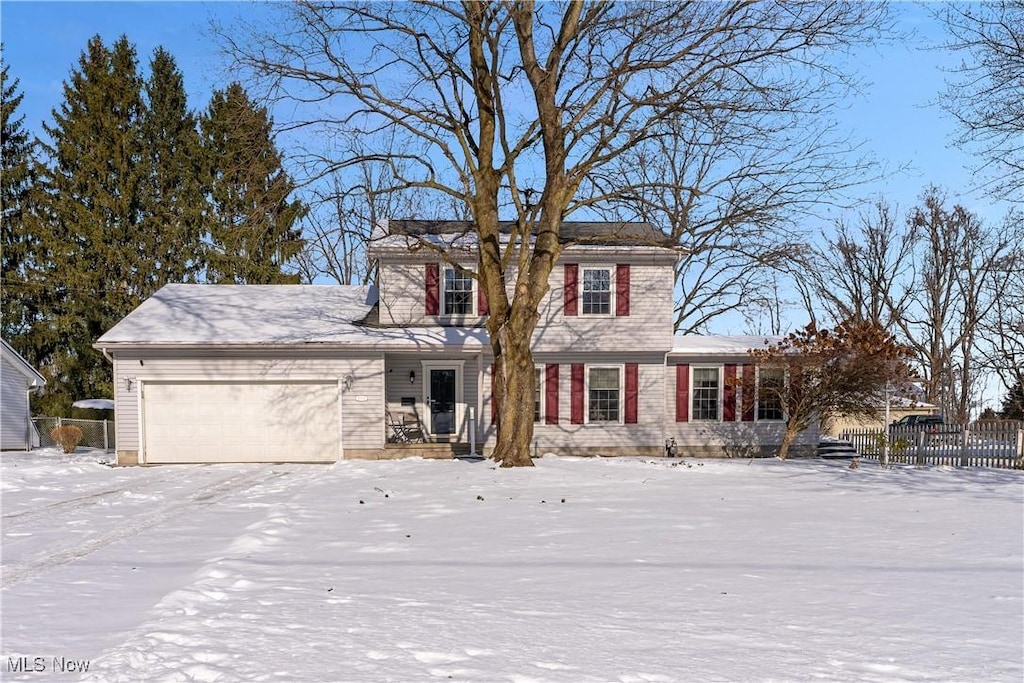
<point>240,421</point>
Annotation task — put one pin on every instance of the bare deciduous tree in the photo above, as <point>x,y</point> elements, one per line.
<point>493,99</point>
<point>958,280</point>
<point>862,272</point>
<point>986,93</point>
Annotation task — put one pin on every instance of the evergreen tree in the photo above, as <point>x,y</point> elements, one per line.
<point>172,197</point>
<point>94,258</point>
<point>17,247</point>
<point>252,223</point>
<point>1013,404</point>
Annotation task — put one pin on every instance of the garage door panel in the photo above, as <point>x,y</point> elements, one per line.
<point>241,422</point>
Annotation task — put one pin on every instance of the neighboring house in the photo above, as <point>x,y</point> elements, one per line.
<point>18,380</point>
<point>899,407</point>
<point>318,373</point>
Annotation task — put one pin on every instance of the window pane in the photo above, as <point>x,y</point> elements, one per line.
<point>597,292</point>
<point>769,406</point>
<point>458,293</point>
<point>705,393</point>
<point>603,396</point>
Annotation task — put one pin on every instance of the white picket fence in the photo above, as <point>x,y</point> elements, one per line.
<point>982,444</point>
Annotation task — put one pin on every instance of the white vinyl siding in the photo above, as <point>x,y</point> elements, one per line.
<point>14,409</point>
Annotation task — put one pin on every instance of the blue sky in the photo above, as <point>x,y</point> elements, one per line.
<point>43,41</point>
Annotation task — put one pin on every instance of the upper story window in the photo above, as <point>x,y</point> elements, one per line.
<point>706,389</point>
<point>604,394</point>
<point>769,404</point>
<point>597,291</point>
<point>457,294</point>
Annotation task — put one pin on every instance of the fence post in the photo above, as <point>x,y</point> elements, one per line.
<point>922,437</point>
<point>106,443</point>
<point>964,437</point>
<point>1019,462</point>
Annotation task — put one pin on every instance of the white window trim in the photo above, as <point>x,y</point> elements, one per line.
<point>460,402</point>
<point>721,391</point>
<point>542,386</point>
<point>621,367</point>
<point>612,287</point>
<point>444,288</point>
<point>757,394</point>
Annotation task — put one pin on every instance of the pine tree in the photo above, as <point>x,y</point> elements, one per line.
<point>172,197</point>
<point>16,176</point>
<point>253,232</point>
<point>1013,404</point>
<point>95,260</point>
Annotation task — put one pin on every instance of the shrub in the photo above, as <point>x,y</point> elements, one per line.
<point>68,436</point>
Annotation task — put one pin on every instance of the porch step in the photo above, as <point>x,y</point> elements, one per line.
<point>439,451</point>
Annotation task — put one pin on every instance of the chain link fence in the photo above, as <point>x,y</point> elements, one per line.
<point>95,433</point>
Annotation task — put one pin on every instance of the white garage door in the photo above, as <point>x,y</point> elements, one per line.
<point>241,422</point>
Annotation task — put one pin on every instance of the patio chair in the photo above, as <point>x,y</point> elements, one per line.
<point>405,428</point>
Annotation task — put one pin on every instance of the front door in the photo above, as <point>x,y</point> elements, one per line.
<point>442,396</point>
<point>442,401</point>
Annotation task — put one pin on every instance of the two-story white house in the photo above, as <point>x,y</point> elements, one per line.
<point>315,373</point>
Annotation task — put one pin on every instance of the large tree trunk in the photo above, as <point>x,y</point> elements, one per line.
<point>514,392</point>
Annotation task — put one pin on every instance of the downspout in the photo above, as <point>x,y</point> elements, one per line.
<point>664,403</point>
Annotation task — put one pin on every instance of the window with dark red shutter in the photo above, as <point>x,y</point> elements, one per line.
<point>551,394</point>
<point>572,274</point>
<point>748,392</point>
<point>632,392</point>
<point>682,393</point>
<point>433,289</point>
<point>622,289</point>
<point>729,394</point>
<point>576,394</point>
<point>482,308</point>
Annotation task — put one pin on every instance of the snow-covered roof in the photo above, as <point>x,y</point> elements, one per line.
<point>720,345</point>
<point>21,365</point>
<point>278,315</point>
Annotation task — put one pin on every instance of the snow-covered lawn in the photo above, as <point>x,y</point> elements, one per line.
<point>576,570</point>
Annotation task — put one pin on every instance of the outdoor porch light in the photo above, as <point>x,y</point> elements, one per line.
<point>412,377</point>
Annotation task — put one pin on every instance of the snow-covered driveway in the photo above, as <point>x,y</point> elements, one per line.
<point>576,570</point>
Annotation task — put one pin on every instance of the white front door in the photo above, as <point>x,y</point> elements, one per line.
<point>442,397</point>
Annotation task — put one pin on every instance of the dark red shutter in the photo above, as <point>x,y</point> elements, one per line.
<point>632,392</point>
<point>682,393</point>
<point>622,289</point>
<point>729,394</point>
<point>572,276</point>
<point>494,399</point>
<point>551,394</point>
<point>433,285</point>
<point>576,396</point>
<point>748,393</point>
<point>482,307</point>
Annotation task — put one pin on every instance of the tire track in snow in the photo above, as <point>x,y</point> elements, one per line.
<point>16,519</point>
<point>207,495</point>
